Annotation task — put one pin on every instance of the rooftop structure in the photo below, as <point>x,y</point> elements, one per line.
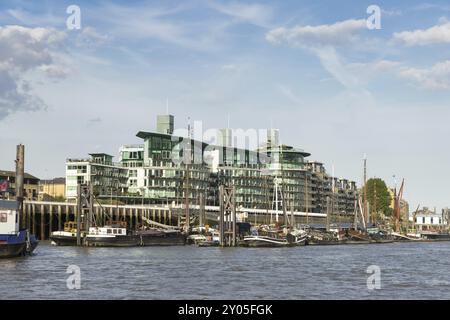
<point>165,124</point>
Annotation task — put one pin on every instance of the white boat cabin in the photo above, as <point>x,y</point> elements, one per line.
<point>107,231</point>
<point>9,217</point>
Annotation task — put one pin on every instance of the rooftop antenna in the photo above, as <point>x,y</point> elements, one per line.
<point>189,127</point>
<point>167,105</point>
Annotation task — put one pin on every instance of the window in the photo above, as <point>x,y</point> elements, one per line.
<point>3,217</point>
<point>120,231</point>
<point>133,173</point>
<point>115,231</point>
<point>108,231</point>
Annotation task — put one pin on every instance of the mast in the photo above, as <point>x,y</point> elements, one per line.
<point>276,199</point>
<point>187,187</point>
<point>365,213</point>
<point>333,185</point>
<point>374,210</point>
<point>283,200</point>
<point>306,196</point>
<point>397,199</point>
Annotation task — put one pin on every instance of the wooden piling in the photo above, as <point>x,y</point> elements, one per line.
<point>131,218</point>
<point>42,222</point>
<point>33,229</point>
<point>136,218</point>
<point>59,217</point>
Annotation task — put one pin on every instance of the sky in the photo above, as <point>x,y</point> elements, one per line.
<point>313,69</point>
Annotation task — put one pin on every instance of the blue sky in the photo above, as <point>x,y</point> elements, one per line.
<point>312,69</point>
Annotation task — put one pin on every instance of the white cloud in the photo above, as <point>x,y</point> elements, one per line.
<point>332,63</point>
<point>24,50</point>
<point>339,33</point>
<point>391,13</point>
<point>290,95</point>
<point>323,40</point>
<point>257,14</point>
<point>47,19</point>
<point>53,71</point>
<point>435,78</point>
<point>230,68</point>
<point>431,6</point>
<point>373,68</point>
<point>149,22</point>
<point>89,37</point>
<point>421,37</point>
<point>385,65</point>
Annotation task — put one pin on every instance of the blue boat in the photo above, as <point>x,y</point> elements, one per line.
<point>14,242</point>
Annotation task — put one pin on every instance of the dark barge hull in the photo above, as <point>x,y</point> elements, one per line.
<point>163,240</point>
<point>122,241</point>
<point>436,237</point>
<point>323,242</point>
<point>356,242</point>
<point>260,244</point>
<point>382,241</point>
<point>265,242</point>
<point>12,250</point>
<point>64,241</point>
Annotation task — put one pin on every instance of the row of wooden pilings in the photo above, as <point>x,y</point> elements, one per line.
<point>42,218</point>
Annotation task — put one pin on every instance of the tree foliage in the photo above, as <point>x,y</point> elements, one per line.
<point>378,196</point>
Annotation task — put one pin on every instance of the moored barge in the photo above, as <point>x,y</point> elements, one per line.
<point>14,242</point>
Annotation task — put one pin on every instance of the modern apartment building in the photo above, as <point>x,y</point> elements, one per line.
<point>107,177</point>
<point>166,166</point>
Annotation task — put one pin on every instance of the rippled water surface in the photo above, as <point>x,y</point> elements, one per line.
<point>408,271</point>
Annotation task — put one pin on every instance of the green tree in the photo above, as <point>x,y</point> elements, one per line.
<point>378,197</point>
<point>59,199</point>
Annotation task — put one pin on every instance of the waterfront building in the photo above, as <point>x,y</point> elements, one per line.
<point>446,216</point>
<point>426,219</point>
<point>268,176</point>
<point>8,179</point>
<point>160,180</point>
<point>257,175</point>
<point>53,189</point>
<point>108,178</point>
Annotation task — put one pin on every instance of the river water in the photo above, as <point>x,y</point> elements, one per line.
<point>407,271</point>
